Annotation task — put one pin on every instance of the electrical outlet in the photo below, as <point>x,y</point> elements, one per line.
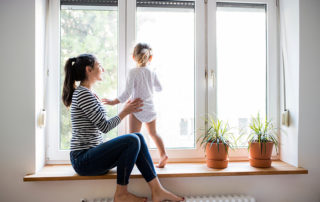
<point>285,118</point>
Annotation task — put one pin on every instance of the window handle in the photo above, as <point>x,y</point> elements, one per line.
<point>212,79</point>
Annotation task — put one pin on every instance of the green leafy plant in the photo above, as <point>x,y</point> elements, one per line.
<point>262,131</point>
<point>218,132</point>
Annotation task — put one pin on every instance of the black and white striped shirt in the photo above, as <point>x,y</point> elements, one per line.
<point>88,118</point>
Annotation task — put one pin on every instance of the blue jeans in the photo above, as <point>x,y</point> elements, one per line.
<point>123,151</point>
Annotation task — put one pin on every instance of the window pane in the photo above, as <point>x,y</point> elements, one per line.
<point>241,64</point>
<point>170,32</point>
<point>90,30</point>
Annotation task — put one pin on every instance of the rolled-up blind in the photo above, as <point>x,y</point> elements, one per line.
<point>89,2</point>
<point>165,3</point>
<point>241,5</point>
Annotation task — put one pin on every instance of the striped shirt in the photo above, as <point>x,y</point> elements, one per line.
<point>89,120</point>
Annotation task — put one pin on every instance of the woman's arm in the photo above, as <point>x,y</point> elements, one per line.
<point>130,107</point>
<point>87,102</point>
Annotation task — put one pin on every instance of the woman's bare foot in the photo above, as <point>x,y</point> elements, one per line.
<point>163,161</point>
<point>122,195</point>
<point>164,195</point>
<point>128,197</point>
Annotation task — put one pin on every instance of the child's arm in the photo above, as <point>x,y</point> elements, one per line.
<point>110,102</point>
<point>157,84</point>
<point>129,88</point>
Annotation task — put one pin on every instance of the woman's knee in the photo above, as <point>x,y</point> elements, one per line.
<point>140,136</point>
<point>133,140</point>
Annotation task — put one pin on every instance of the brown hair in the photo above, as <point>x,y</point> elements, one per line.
<point>142,53</point>
<point>75,70</point>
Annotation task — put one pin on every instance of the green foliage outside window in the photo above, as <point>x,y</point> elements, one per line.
<point>95,32</point>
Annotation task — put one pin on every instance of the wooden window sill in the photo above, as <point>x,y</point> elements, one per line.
<point>66,172</point>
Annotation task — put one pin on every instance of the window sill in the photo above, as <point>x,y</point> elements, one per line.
<point>66,172</point>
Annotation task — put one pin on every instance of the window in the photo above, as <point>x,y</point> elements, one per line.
<point>89,29</point>
<point>174,52</point>
<point>241,64</point>
<point>84,26</point>
<point>233,43</point>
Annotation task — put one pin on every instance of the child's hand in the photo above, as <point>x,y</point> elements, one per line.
<point>109,102</point>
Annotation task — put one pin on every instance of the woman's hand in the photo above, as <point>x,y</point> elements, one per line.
<point>110,102</point>
<point>131,106</point>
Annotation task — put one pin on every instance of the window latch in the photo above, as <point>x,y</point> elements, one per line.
<point>212,79</point>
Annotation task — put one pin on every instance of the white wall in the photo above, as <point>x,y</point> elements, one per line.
<point>309,99</point>
<point>17,83</point>
<point>289,34</point>
<point>18,112</point>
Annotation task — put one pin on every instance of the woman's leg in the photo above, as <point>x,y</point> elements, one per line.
<point>159,193</point>
<point>122,195</point>
<point>122,152</point>
<point>134,124</point>
<point>145,165</point>
<point>144,162</point>
<point>151,126</point>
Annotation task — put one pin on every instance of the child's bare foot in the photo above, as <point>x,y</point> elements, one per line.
<point>164,195</point>
<point>128,197</point>
<point>163,161</point>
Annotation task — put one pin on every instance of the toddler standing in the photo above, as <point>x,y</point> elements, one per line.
<point>141,82</point>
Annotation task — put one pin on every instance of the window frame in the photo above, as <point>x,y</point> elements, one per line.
<point>188,154</point>
<point>53,154</point>
<point>273,79</point>
<point>205,97</point>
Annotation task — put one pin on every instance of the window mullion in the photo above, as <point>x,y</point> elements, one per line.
<point>273,73</point>
<point>201,84</point>
<point>122,59</point>
<point>131,32</point>
<point>126,41</point>
<point>211,58</point>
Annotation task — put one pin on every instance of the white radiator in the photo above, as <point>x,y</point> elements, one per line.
<point>216,198</point>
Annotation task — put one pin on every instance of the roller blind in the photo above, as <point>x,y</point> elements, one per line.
<point>241,5</point>
<point>165,3</point>
<point>89,2</point>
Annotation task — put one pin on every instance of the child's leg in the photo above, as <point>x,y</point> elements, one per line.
<point>134,124</point>
<point>151,127</point>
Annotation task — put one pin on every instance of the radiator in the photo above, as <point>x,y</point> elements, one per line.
<point>215,198</point>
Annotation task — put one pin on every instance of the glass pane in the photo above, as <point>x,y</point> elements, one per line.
<point>241,65</point>
<point>170,32</point>
<point>96,32</point>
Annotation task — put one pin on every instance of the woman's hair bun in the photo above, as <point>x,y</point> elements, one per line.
<point>73,59</point>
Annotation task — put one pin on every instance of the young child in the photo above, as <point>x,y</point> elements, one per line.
<point>140,84</point>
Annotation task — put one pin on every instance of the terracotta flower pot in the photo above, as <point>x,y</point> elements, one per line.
<point>217,159</point>
<point>260,158</point>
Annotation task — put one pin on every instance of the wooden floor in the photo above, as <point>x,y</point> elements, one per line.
<point>66,172</point>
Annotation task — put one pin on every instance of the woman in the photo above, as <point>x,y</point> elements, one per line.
<point>89,155</point>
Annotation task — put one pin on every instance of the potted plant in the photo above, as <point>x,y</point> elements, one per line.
<point>216,142</point>
<point>262,138</point>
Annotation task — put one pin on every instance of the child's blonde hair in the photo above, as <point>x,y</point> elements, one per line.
<point>142,52</point>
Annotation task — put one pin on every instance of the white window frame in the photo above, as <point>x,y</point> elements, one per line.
<point>273,79</point>
<point>53,154</point>
<point>182,155</point>
<point>205,61</point>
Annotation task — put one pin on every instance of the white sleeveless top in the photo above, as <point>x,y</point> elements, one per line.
<point>141,82</point>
